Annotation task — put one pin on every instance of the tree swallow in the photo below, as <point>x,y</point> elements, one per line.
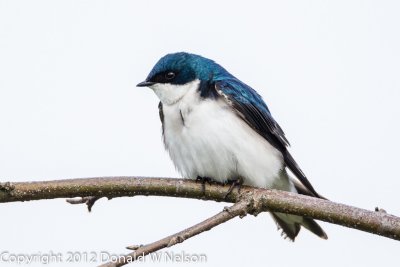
<point>216,126</point>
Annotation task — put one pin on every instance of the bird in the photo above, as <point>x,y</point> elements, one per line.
<point>216,127</point>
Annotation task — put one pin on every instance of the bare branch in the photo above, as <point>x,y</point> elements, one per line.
<point>238,209</point>
<point>379,223</point>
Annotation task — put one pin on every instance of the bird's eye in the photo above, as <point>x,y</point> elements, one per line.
<point>169,75</point>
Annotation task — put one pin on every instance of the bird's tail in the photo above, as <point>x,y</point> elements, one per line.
<point>291,224</point>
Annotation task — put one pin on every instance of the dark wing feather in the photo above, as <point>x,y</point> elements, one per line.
<point>161,114</point>
<point>252,109</point>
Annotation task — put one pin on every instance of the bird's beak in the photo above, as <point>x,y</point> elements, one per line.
<point>145,84</point>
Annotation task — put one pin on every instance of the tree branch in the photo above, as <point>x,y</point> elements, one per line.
<point>379,223</point>
<point>238,209</point>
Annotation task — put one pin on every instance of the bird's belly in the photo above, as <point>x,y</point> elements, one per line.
<point>211,141</point>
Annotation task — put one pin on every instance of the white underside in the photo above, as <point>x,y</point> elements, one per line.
<point>212,141</point>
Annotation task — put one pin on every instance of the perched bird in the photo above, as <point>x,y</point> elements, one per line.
<point>215,126</point>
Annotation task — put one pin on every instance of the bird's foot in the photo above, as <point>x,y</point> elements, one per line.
<point>203,181</point>
<point>234,183</point>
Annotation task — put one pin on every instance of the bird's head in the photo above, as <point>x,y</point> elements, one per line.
<point>175,74</point>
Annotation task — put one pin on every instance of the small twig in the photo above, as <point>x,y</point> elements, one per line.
<point>134,247</point>
<point>377,209</point>
<point>89,201</point>
<point>238,209</point>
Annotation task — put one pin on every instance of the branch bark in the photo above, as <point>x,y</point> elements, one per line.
<point>375,222</point>
<point>249,201</point>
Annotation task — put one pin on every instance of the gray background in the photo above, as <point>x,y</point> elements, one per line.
<point>329,71</point>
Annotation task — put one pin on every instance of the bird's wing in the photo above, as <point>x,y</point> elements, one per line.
<point>250,107</point>
<point>161,114</point>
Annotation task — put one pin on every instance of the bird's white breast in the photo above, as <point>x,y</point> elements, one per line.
<point>205,137</point>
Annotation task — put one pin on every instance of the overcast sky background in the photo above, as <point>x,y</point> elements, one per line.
<point>69,108</point>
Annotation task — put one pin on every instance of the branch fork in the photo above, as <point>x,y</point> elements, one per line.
<point>248,201</point>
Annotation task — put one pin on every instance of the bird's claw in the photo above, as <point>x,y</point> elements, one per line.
<point>203,181</point>
<point>234,183</point>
